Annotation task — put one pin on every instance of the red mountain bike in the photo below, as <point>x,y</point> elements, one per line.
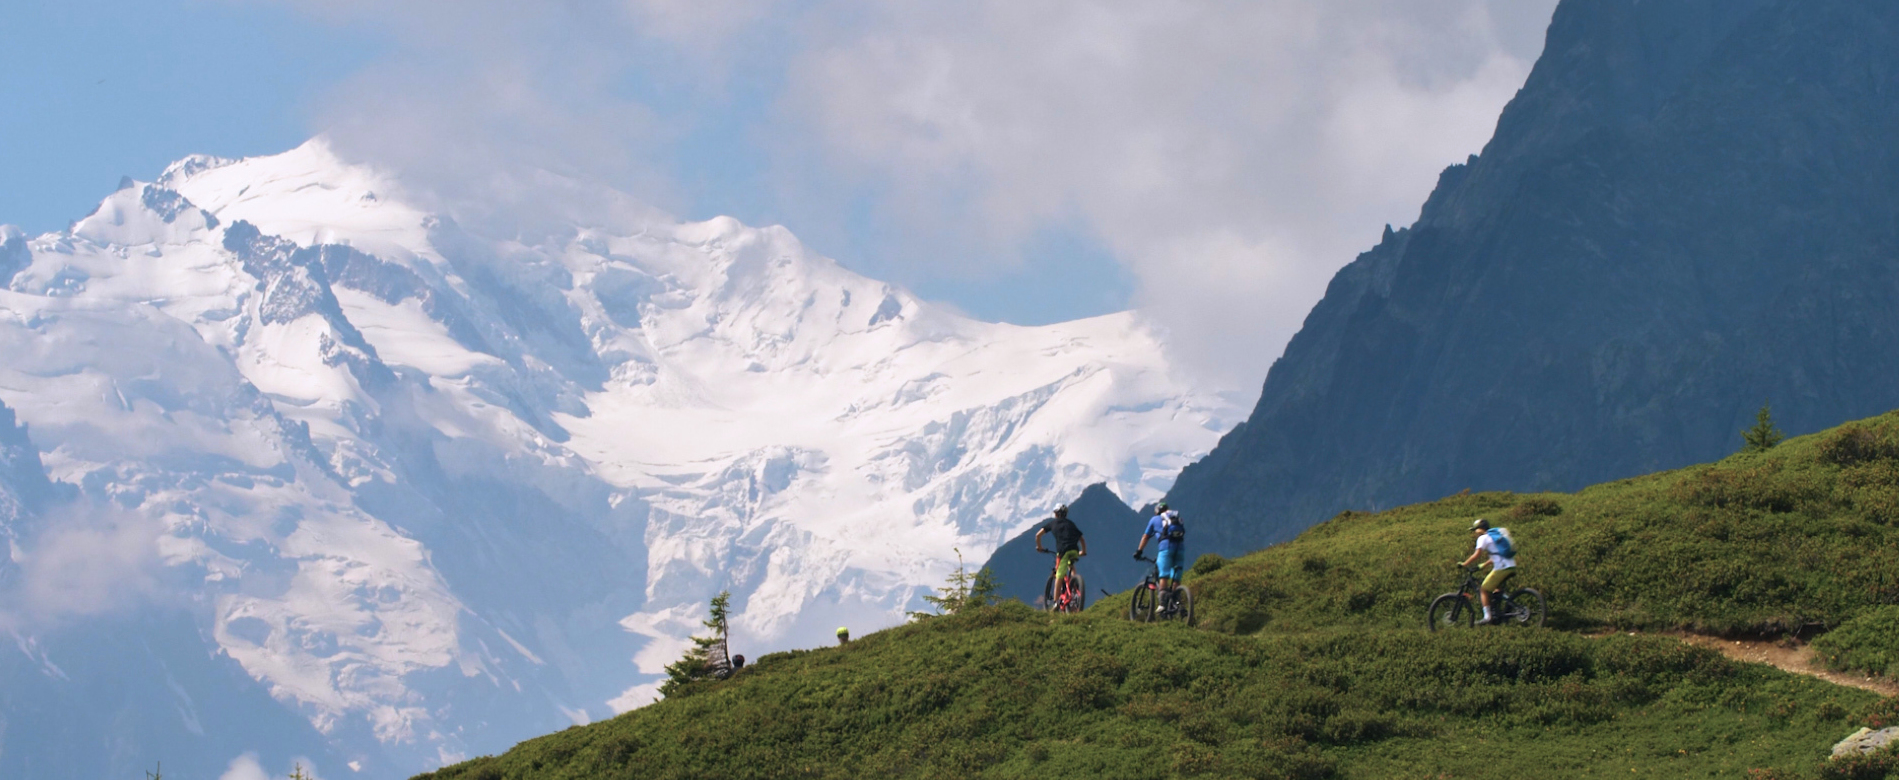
<point>1066,595</point>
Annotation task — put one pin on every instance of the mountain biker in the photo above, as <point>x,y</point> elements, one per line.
<point>1501,568</point>
<point>1069,544</point>
<point>1172,547</point>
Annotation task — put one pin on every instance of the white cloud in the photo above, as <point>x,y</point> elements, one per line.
<point>86,560</point>
<point>1230,154</point>
<point>247,767</point>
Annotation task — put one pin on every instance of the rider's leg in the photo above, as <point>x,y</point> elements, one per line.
<point>1493,583</point>
<point>1064,570</point>
<point>1168,564</point>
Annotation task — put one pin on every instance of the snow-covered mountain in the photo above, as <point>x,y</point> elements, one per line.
<point>437,486</point>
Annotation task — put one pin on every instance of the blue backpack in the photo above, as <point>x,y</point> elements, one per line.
<point>1506,547</point>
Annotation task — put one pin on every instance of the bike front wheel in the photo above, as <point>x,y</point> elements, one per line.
<point>1048,595</point>
<point>1141,606</point>
<point>1451,610</point>
<point>1526,607</point>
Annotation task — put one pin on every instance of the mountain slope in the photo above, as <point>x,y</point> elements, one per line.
<point>1687,210</point>
<point>1311,658</point>
<point>434,486</point>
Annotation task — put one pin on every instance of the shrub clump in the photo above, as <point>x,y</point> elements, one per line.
<point>1534,507</point>
<point>1867,643</point>
<point>1858,443</point>
<point>1876,765</point>
<point>1207,564</point>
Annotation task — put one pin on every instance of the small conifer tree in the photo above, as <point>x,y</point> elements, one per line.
<point>963,590</point>
<point>1763,436</point>
<point>707,656</point>
<point>297,773</point>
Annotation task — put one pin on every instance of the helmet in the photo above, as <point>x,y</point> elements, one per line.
<point>842,631</point>
<point>1480,524</point>
<point>1160,508</point>
<point>1061,511</point>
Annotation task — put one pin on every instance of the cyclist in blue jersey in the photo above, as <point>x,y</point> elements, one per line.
<point>1171,551</point>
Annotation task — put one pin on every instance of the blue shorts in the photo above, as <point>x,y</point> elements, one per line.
<point>1168,561</point>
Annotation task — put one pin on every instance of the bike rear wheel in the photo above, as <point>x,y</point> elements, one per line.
<point>1451,610</point>
<point>1526,607</point>
<point>1183,605</point>
<point>1141,606</point>
<point>1077,594</point>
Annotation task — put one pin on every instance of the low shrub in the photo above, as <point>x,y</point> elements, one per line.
<point>1207,564</point>
<point>1868,643</point>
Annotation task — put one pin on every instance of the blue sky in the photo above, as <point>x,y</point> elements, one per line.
<point>121,87</point>
<point>1210,164</point>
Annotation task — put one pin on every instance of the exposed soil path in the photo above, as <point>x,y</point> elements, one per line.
<point>1787,655</point>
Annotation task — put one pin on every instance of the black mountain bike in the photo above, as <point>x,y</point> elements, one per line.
<point>1146,605</point>
<point>1520,607</point>
<point>1068,596</point>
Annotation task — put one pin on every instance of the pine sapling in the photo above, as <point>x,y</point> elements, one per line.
<point>962,590</point>
<point>1763,436</point>
<point>707,657</point>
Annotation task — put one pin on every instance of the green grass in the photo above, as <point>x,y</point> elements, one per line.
<point>1310,659</point>
<point>1009,692</point>
<point>1868,643</point>
<point>1804,536</point>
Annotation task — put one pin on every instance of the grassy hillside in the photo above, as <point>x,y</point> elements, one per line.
<point>1800,538</point>
<point>1311,660</point>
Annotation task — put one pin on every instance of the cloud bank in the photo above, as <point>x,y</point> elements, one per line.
<point>1228,155</point>
<point>84,561</point>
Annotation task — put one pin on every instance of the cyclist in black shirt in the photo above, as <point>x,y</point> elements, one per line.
<point>1068,542</point>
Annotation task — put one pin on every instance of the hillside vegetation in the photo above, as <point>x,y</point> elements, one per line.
<point>1802,537</point>
<point>1310,659</point>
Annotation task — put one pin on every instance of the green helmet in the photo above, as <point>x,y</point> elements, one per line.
<point>1160,508</point>
<point>842,631</point>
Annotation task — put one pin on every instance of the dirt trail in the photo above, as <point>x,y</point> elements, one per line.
<point>1789,656</point>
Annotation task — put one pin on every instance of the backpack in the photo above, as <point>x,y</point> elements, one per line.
<point>1506,546</point>
<point>1173,530</point>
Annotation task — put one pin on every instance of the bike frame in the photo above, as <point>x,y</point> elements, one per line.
<point>1473,586</point>
<point>1064,592</point>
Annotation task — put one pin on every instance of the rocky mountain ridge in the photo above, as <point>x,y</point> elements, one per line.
<point>1686,212</point>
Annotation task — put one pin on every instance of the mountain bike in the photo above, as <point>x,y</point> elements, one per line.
<point>1520,607</point>
<point>1146,606</point>
<point>1067,595</point>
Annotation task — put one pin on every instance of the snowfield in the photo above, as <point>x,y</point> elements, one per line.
<point>438,490</point>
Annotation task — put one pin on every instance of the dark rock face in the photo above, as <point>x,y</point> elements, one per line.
<point>24,488</point>
<point>1691,207</point>
<point>1111,529</point>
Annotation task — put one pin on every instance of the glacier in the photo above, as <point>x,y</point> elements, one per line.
<point>389,485</point>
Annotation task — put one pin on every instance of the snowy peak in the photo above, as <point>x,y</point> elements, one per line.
<point>144,215</point>
<point>436,490</point>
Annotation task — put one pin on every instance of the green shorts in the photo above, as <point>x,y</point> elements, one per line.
<point>1497,578</point>
<point>1066,562</point>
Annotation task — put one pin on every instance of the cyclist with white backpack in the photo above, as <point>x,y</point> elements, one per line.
<point>1502,549</point>
<point>1171,549</point>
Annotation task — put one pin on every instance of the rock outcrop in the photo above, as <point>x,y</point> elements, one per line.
<point>1692,207</point>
